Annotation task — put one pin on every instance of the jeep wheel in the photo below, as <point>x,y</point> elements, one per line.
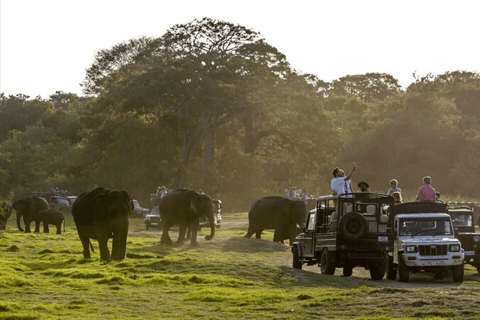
<point>377,271</point>
<point>390,269</point>
<point>347,270</point>
<point>403,270</point>
<point>326,264</point>
<point>458,272</point>
<point>296,262</point>
<point>353,226</point>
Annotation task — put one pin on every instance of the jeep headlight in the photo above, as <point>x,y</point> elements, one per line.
<point>454,248</point>
<point>476,239</point>
<point>410,249</point>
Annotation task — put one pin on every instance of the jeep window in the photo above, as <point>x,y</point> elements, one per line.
<point>418,227</point>
<point>311,222</point>
<point>462,220</point>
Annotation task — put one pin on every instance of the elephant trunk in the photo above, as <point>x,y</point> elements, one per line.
<point>211,221</point>
<point>19,216</point>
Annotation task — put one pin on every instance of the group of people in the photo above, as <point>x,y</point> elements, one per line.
<point>297,193</point>
<point>161,191</point>
<point>341,184</point>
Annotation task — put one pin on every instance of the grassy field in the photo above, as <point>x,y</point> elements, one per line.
<point>44,276</point>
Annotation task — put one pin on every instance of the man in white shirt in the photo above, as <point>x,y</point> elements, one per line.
<point>341,184</point>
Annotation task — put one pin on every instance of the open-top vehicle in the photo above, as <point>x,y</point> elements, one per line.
<point>463,220</point>
<point>346,231</point>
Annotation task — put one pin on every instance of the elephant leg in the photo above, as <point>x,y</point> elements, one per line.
<point>193,239</point>
<point>165,237</point>
<point>86,249</point>
<point>258,234</point>
<point>103,246</point>
<point>37,226</point>
<point>27,224</point>
<point>249,233</point>
<point>118,247</point>
<point>181,234</point>
<point>277,236</point>
<point>59,228</point>
<point>45,227</point>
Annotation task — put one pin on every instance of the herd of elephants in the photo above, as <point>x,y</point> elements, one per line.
<point>104,213</point>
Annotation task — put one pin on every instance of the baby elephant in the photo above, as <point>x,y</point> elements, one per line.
<point>48,217</point>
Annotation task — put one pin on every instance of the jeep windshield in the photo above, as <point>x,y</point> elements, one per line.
<point>462,220</point>
<point>424,226</point>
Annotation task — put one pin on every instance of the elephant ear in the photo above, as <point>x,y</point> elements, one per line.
<point>127,199</point>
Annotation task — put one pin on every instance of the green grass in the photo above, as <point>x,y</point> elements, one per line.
<point>44,276</point>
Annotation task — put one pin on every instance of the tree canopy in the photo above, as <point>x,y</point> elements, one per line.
<point>211,105</point>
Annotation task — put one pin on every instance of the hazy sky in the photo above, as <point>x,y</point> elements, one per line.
<point>46,45</point>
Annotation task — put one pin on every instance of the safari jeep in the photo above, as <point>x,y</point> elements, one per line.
<point>463,221</point>
<point>424,241</point>
<point>346,231</point>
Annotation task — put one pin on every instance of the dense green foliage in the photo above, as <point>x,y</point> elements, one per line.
<point>210,105</point>
<point>44,276</point>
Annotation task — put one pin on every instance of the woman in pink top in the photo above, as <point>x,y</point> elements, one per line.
<point>426,192</point>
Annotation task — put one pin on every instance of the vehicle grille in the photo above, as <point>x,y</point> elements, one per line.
<point>433,250</point>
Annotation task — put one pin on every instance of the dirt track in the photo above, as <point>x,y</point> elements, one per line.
<point>360,275</point>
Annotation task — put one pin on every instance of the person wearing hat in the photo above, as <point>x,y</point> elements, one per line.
<point>364,187</point>
<point>426,192</point>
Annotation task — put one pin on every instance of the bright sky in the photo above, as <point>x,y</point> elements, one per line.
<point>46,45</point>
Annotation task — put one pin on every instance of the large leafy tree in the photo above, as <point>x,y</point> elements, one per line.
<point>193,75</point>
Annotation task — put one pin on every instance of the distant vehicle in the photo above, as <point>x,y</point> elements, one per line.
<point>152,219</point>
<point>59,203</point>
<point>71,199</point>
<point>139,210</point>
<point>463,221</point>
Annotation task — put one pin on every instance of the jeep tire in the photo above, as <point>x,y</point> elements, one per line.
<point>347,270</point>
<point>390,269</point>
<point>457,272</point>
<point>326,263</point>
<point>353,226</point>
<point>403,270</point>
<point>296,262</point>
<point>377,271</point>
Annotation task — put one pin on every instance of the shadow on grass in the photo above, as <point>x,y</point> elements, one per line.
<point>242,244</point>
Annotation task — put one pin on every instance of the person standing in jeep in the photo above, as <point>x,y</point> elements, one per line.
<point>341,184</point>
<point>426,192</point>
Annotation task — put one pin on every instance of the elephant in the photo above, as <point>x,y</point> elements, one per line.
<point>279,213</point>
<point>102,214</point>
<point>185,207</point>
<point>50,217</point>
<point>27,208</point>
<point>5,213</point>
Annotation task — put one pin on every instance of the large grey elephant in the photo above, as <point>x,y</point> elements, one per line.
<point>50,217</point>
<point>102,214</point>
<point>185,207</point>
<point>27,208</point>
<point>279,213</point>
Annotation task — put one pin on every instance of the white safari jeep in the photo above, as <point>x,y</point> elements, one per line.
<point>424,241</point>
